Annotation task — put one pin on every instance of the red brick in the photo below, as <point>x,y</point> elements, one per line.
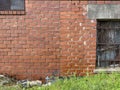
<point>100,2</point>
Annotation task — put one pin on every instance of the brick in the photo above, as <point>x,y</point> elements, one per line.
<point>101,2</point>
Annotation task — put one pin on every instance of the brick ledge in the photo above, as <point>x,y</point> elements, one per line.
<point>22,12</point>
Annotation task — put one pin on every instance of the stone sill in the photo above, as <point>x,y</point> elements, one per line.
<point>107,70</point>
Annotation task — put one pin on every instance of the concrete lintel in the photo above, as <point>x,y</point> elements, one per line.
<point>105,11</point>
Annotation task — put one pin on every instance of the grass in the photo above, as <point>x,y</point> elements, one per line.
<point>95,82</point>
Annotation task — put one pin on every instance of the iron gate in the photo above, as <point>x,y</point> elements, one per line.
<point>108,43</point>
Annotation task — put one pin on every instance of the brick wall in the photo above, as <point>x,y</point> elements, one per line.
<point>78,39</point>
<point>51,37</point>
<point>29,44</point>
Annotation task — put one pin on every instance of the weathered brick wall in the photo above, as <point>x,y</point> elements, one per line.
<point>29,44</point>
<point>52,37</point>
<point>78,39</point>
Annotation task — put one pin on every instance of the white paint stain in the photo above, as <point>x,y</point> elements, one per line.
<point>83,28</point>
<point>80,24</point>
<point>85,43</point>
